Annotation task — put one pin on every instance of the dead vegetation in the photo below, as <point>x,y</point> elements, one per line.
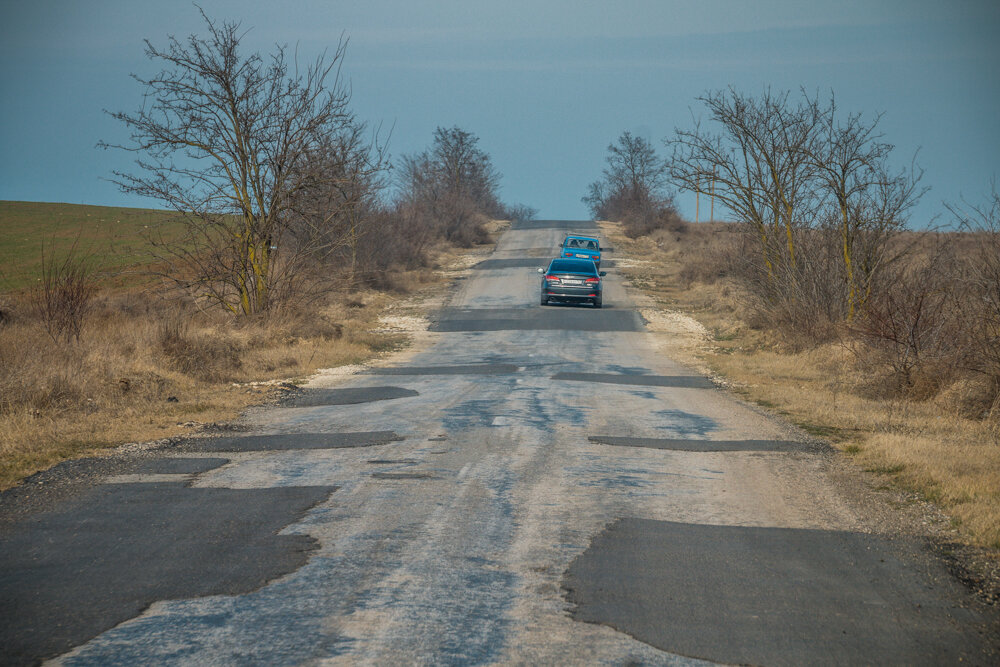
<point>146,368</point>
<point>285,243</point>
<point>908,388</point>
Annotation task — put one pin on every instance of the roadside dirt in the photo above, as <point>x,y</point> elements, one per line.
<point>877,498</point>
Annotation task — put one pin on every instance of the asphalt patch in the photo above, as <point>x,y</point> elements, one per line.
<point>537,318</point>
<point>309,398</point>
<point>404,475</point>
<point>685,445</point>
<point>384,462</point>
<point>582,226</point>
<point>178,466</point>
<point>544,252</point>
<point>513,263</point>
<point>287,441</point>
<point>681,381</point>
<point>465,369</point>
<point>97,561</point>
<point>525,263</point>
<point>776,596</point>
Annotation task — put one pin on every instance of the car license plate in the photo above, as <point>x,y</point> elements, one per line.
<point>584,256</point>
<point>568,281</point>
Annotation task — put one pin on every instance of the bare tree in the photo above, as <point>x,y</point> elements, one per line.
<point>758,162</point>
<point>345,178</point>
<point>634,178</point>
<point>981,287</point>
<point>466,169</point>
<point>869,200</point>
<point>223,139</point>
<point>450,184</point>
<point>632,188</point>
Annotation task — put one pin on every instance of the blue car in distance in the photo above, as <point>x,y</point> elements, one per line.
<point>572,280</point>
<point>581,247</point>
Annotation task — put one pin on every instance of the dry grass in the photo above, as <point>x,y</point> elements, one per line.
<point>156,372</point>
<point>145,369</point>
<point>931,447</point>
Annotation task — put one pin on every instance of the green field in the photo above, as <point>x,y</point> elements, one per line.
<point>111,240</point>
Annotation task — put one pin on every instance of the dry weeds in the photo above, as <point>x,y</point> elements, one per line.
<point>145,370</point>
<point>930,447</point>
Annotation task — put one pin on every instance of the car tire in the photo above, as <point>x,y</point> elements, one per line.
<point>544,300</point>
<point>598,302</point>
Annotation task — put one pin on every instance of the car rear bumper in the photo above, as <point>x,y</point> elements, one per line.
<point>571,255</point>
<point>571,294</point>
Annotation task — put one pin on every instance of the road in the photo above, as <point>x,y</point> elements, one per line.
<point>528,485</point>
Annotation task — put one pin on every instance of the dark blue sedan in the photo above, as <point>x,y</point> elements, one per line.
<point>572,280</point>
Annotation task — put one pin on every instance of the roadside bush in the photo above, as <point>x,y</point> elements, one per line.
<point>802,305</point>
<point>210,357</point>
<point>450,188</point>
<point>709,252</point>
<point>631,189</point>
<point>519,213</point>
<point>398,239</point>
<point>647,217</point>
<point>465,226</point>
<point>980,282</point>
<point>36,372</point>
<point>910,326</point>
<point>65,294</point>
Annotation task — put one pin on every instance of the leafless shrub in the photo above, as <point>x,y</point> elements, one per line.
<point>710,250</point>
<point>448,189</point>
<point>802,309</point>
<point>464,225</point>
<point>814,194</point>
<point>910,325</point>
<point>645,218</point>
<point>398,238</point>
<point>65,293</point>
<point>756,166</point>
<point>980,309</point>
<point>519,213</point>
<point>632,189</point>
<point>211,357</point>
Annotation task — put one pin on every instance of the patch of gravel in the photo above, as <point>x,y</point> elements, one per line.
<point>683,339</point>
<point>408,324</point>
<point>461,263</point>
<point>326,377</point>
<point>626,263</point>
<point>675,322</point>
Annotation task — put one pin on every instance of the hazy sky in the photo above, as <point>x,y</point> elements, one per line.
<point>546,85</point>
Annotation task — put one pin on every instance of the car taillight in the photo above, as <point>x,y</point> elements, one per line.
<point>592,280</point>
<point>552,279</point>
<point>567,254</point>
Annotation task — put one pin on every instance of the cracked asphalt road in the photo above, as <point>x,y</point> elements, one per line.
<point>530,487</point>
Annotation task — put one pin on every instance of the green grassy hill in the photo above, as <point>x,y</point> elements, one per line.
<point>110,239</point>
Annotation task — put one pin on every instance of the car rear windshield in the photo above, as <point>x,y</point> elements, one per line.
<point>572,266</point>
<point>588,244</point>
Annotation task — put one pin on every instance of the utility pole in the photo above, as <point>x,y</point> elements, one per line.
<point>711,216</point>
<point>697,200</point>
